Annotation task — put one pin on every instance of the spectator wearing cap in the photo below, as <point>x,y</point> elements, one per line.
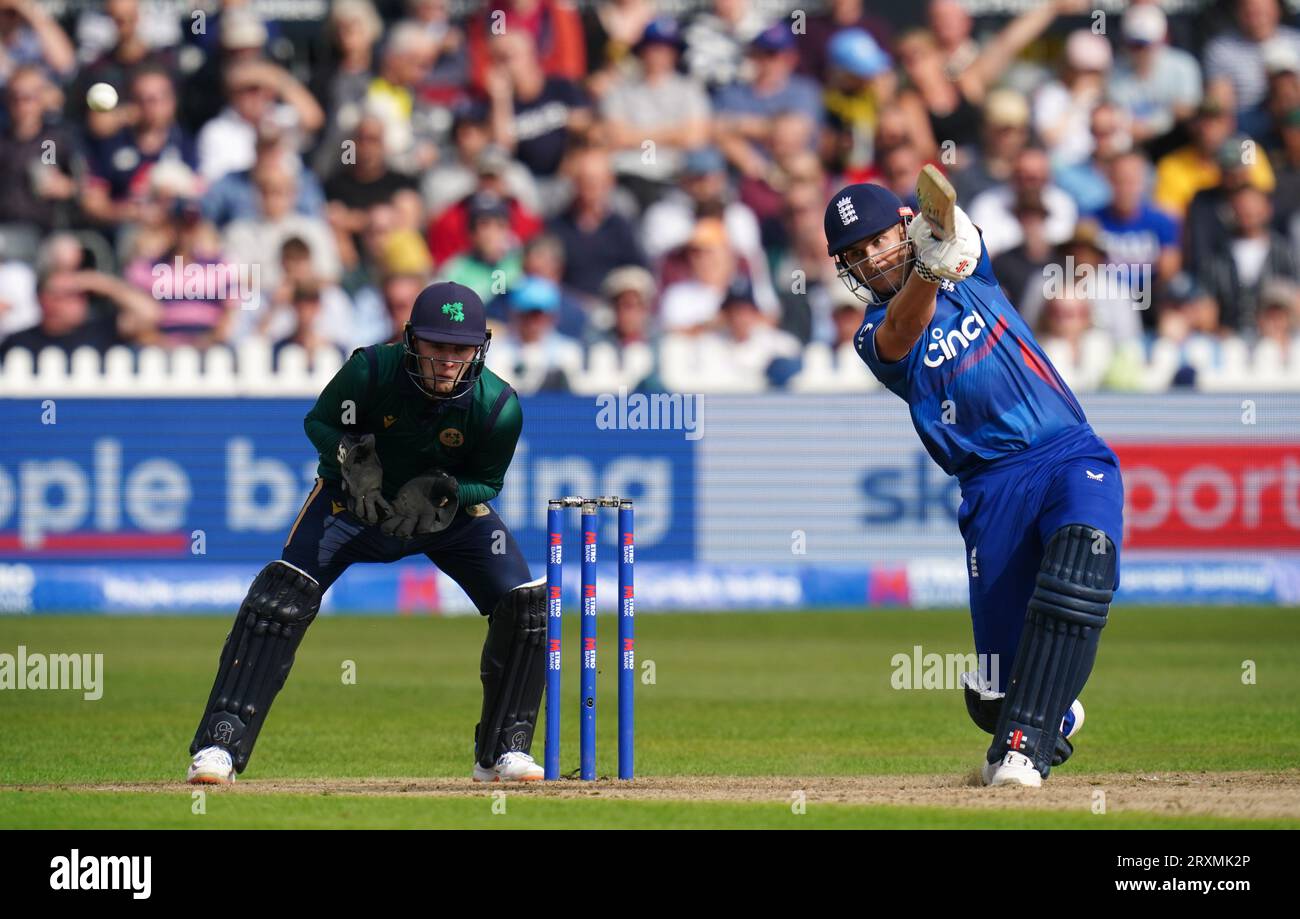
<point>1235,59</point>
<point>234,196</point>
<point>596,238</point>
<point>1207,227</point>
<point>1279,318</point>
<point>532,353</point>
<point>241,35</point>
<point>846,320</point>
<point>37,194</point>
<point>115,67</point>
<point>628,318</point>
<point>703,186</point>
<point>533,113</point>
<point>258,93</point>
<point>1031,173</point>
<point>1003,134</point>
<point>544,258</point>
<point>85,309</point>
<point>1134,231</point>
<point>31,37</point>
<point>119,165</point>
<point>1255,254</point>
<point>1197,165</point>
<point>814,56</point>
<point>448,233</point>
<point>1156,84</point>
<point>1062,108</point>
<point>745,110</point>
<point>404,272</point>
<point>860,82</point>
<point>655,106</point>
<point>394,262</point>
<point>473,162</point>
<point>755,349</point>
<point>1020,269</point>
<point>493,260</point>
<point>552,27</point>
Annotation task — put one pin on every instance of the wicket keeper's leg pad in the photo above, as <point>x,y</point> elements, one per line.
<point>513,669</point>
<point>985,705</point>
<point>1058,646</point>
<point>256,658</point>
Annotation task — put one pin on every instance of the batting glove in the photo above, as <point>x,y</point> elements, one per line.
<point>951,259</point>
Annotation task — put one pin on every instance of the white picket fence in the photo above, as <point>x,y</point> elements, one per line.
<point>683,364</point>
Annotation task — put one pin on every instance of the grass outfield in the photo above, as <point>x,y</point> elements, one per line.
<point>797,704</point>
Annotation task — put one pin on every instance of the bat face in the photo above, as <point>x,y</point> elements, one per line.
<point>938,199</point>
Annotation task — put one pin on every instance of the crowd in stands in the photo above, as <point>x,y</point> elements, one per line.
<point>621,174</point>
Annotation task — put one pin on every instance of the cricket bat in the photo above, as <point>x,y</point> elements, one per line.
<point>938,201</point>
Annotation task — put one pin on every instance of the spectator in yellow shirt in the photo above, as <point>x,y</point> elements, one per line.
<point>1189,169</point>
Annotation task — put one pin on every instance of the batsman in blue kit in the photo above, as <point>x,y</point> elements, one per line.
<point>1042,499</point>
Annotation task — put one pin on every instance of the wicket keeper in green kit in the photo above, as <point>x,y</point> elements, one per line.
<point>414,439</point>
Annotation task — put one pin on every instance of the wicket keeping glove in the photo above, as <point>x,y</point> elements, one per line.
<point>425,504</point>
<point>363,477</point>
<point>951,259</point>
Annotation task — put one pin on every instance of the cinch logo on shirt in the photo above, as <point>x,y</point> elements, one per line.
<point>955,342</point>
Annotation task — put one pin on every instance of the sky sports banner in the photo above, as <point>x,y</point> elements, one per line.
<point>777,501</point>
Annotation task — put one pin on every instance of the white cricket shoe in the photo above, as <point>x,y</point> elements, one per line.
<point>212,766</point>
<point>1013,769</point>
<point>511,767</point>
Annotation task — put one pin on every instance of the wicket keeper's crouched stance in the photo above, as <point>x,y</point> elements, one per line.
<point>414,439</point>
<point>1042,501</point>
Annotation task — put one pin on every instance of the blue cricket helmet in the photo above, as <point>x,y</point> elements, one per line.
<point>856,213</point>
<point>860,211</point>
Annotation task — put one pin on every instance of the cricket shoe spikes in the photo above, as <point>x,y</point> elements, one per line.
<point>1013,769</point>
<point>511,767</point>
<point>211,766</point>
